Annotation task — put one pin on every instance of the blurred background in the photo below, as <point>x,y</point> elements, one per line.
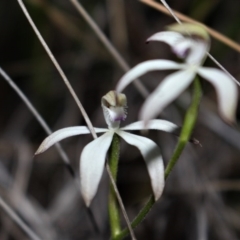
<point>201,199</point>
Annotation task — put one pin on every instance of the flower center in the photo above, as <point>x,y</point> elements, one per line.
<point>114,108</point>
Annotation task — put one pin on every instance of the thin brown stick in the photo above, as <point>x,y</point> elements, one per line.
<point>184,18</point>
<point>36,114</point>
<point>117,24</point>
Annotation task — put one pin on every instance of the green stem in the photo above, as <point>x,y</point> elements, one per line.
<point>112,204</point>
<point>188,125</point>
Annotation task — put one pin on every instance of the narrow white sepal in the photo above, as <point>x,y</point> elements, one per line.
<point>169,37</point>
<point>92,162</point>
<point>155,124</point>
<point>226,89</point>
<point>169,89</point>
<point>180,44</point>
<point>64,133</point>
<point>142,68</point>
<point>152,157</point>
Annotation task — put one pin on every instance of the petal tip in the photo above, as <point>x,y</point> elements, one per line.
<point>36,153</point>
<point>87,202</point>
<point>152,38</point>
<point>230,121</point>
<point>156,198</point>
<point>228,117</point>
<point>39,150</point>
<point>148,40</point>
<point>158,194</point>
<point>86,198</point>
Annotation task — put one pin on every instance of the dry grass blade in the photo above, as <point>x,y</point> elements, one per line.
<point>202,226</point>
<point>18,220</point>
<point>37,116</point>
<point>88,122</point>
<point>117,24</point>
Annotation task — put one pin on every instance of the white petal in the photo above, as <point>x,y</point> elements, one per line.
<point>179,44</point>
<point>114,115</point>
<point>171,38</point>
<point>152,157</point>
<point>197,52</point>
<point>171,87</point>
<point>155,124</point>
<point>182,48</point>
<point>142,68</point>
<point>92,162</point>
<point>226,89</point>
<point>64,133</point>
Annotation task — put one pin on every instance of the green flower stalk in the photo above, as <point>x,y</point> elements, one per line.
<point>113,209</point>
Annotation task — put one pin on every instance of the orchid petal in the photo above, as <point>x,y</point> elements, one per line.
<point>226,89</point>
<point>197,52</point>
<point>179,44</point>
<point>171,87</point>
<point>142,68</point>
<point>182,48</point>
<point>64,133</point>
<point>169,37</point>
<point>155,124</point>
<point>92,162</point>
<point>152,157</point>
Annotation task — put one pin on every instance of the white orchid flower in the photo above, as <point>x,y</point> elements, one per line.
<point>193,50</point>
<point>93,156</point>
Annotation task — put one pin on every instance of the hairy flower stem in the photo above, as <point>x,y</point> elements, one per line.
<point>112,205</point>
<point>188,125</point>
